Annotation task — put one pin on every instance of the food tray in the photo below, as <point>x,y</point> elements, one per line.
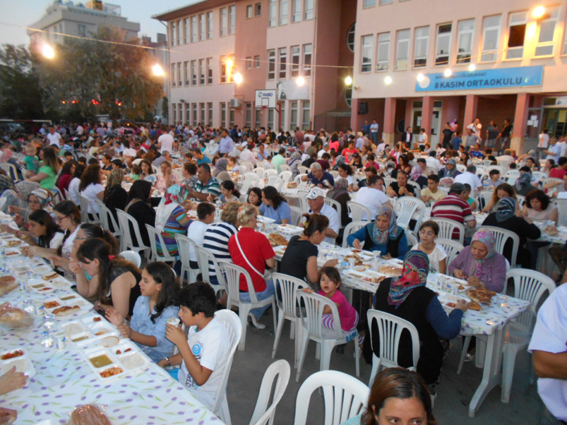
<point>128,361</point>
<point>447,300</point>
<point>11,242</point>
<point>12,253</point>
<point>69,301</point>
<point>265,220</point>
<point>290,229</point>
<point>280,249</point>
<point>89,339</point>
<point>22,363</point>
<point>40,286</point>
<point>366,276</point>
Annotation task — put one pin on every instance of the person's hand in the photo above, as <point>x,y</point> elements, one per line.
<point>12,209</point>
<point>163,363</point>
<point>175,334</point>
<point>114,317</point>
<point>11,381</point>
<point>519,213</point>
<point>26,251</point>
<point>307,290</point>
<point>462,305</point>
<point>321,186</point>
<point>56,260</point>
<point>210,198</point>
<point>356,244</point>
<point>4,228</point>
<point>387,256</point>
<point>125,330</point>
<point>459,274</point>
<point>7,415</point>
<point>332,263</point>
<point>402,190</point>
<point>75,267</point>
<point>19,220</point>
<point>474,281</point>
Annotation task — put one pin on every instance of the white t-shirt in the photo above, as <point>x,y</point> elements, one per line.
<point>372,199</point>
<point>129,152</point>
<point>56,240</point>
<point>166,143</point>
<point>210,347</point>
<point>334,220</point>
<point>469,178</point>
<point>435,257</point>
<point>54,139</point>
<point>68,244</point>
<point>90,193</point>
<point>543,141</point>
<point>74,191</point>
<point>196,233</point>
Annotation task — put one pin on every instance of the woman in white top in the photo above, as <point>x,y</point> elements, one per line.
<point>345,172</point>
<point>91,186</point>
<point>538,207</point>
<point>437,255</point>
<point>47,234</point>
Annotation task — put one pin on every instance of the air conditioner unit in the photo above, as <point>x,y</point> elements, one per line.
<point>235,103</point>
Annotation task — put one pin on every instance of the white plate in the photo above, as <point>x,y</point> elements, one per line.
<point>266,220</point>
<point>22,363</point>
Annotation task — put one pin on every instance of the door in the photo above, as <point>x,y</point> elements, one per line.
<point>435,130</point>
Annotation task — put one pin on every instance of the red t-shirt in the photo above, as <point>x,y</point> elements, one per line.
<point>348,152</point>
<point>257,249</point>
<point>557,173</point>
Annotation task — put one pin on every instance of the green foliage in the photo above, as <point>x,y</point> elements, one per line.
<point>165,107</point>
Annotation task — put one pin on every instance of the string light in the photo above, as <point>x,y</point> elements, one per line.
<point>157,69</point>
<point>448,73</point>
<point>47,51</point>
<point>388,80</point>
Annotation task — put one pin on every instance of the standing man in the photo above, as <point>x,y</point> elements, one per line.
<point>543,143</point>
<point>407,137</point>
<point>53,137</point>
<point>366,127</point>
<point>475,127</point>
<point>491,135</point>
<point>554,151</point>
<point>298,136</point>
<point>505,136</point>
<point>447,135</point>
<point>422,139</point>
<point>165,141</point>
<point>374,132</point>
<point>226,144</point>
<point>457,141</point>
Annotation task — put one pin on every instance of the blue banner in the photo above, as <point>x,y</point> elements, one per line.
<point>482,79</point>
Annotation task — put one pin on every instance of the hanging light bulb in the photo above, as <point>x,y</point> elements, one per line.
<point>157,69</point>
<point>237,78</point>
<point>348,80</point>
<point>420,77</point>
<point>300,81</point>
<point>472,67</point>
<point>388,80</point>
<point>448,73</point>
<point>47,51</point>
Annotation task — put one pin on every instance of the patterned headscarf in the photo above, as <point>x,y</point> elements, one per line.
<point>454,171</point>
<point>414,275</point>
<point>505,209</point>
<point>341,186</point>
<point>415,173</point>
<point>221,165</point>
<point>381,237</point>
<point>6,183</point>
<point>487,238</point>
<point>524,180</point>
<point>45,200</point>
<point>114,179</point>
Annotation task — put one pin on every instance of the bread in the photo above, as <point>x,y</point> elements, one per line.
<point>7,284</point>
<point>292,185</point>
<point>88,415</point>
<point>14,243</point>
<point>66,310</point>
<point>473,305</point>
<point>51,304</point>
<point>50,276</point>
<point>277,240</point>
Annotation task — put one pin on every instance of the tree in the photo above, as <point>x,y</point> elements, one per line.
<point>165,108</point>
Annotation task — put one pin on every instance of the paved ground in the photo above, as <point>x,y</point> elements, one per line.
<point>451,405</point>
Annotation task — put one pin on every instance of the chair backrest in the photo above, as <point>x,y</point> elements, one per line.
<point>259,171</point>
<point>312,314</point>
<point>345,397</point>
<point>461,168</point>
<point>276,182</point>
<point>296,214</point>
<point>125,220</point>
<point>206,258</point>
<point>411,237</point>
<point>551,180</point>
<point>416,188</point>
<point>334,173</point>
<point>232,323</point>
<point>263,413</point>
<point>511,176</point>
<point>297,178</point>
<point>562,210</point>
<point>453,248</point>
<point>447,226</point>
<point>358,211</point>
<point>156,236</point>
<point>286,295</point>
<point>538,175</point>
<point>521,200</point>
<point>484,197</point>
<point>286,175</point>
<point>350,228</point>
<point>390,330</point>
<point>107,219</point>
<point>302,193</point>
<point>408,208</point>
<point>132,256</point>
<point>502,237</point>
<point>84,205</point>
<point>388,181</point>
<point>183,246</point>
<point>487,162</point>
<point>233,274</point>
<point>336,205</point>
<point>302,169</point>
<point>269,173</point>
<point>11,170</point>
<point>284,167</point>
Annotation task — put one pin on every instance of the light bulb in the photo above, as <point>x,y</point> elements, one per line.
<point>348,80</point>
<point>420,77</point>
<point>538,12</point>
<point>388,80</point>
<point>157,69</point>
<point>237,78</point>
<point>47,51</point>
<point>300,81</point>
<point>472,67</point>
<point>448,73</point>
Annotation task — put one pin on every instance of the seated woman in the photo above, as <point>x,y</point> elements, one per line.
<point>139,207</point>
<point>38,199</point>
<point>228,193</point>
<point>66,175</point>
<point>523,184</point>
<point>502,191</point>
<point>450,170</point>
<point>147,171</point>
<point>113,280</point>
<point>49,169</point>
<point>346,173</point>
<point>275,206</point>
<point>340,194</point>
<point>300,257</point>
<point>539,208</point>
<point>255,196</point>
<point>46,233</point>
<point>171,220</point>
<point>115,197</point>
<point>219,171</point>
<point>91,187</point>
<point>479,264</point>
<point>167,178</point>
<point>383,235</point>
<point>437,255</point>
<point>408,298</point>
<point>251,250</point>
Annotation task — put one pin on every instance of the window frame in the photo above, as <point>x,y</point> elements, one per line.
<point>309,10</point>
<point>399,42</point>
<point>282,64</point>
<point>441,37</point>
<point>366,53</point>
<point>249,11</point>
<point>257,62</point>
<point>173,79</point>
<point>173,29</point>
<point>186,72</point>
<point>210,25</point>
<point>258,9</point>
<point>379,45</point>
<point>202,27</point>
<point>295,52</point>
<point>271,64</point>
<point>231,20</point>
<point>193,72</point>
<point>368,3</point>
<point>542,45</point>
<point>209,70</point>
<point>283,12</point>
<point>294,110</point>
<point>420,38</point>
<point>186,31</point>
<point>249,62</point>
<point>223,22</point>
<point>194,29</point>
<point>202,72</point>
<point>490,55</point>
<point>305,110</point>
<point>272,13</point>
<point>297,11</point>
<point>307,59</point>
<point>465,57</point>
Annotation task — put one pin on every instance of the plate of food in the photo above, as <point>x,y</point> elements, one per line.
<point>116,361</point>
<point>11,252</point>
<point>16,358</point>
<point>277,240</point>
<point>390,270</point>
<point>481,296</point>
<point>265,220</point>
<point>7,284</point>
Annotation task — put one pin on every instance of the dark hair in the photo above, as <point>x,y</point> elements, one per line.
<point>90,176</point>
<point>50,159</point>
<point>494,172</point>
<point>540,196</point>
<point>141,189</point>
<point>229,185</point>
<point>204,209</point>
<point>397,383</point>
<point>95,231</point>
<point>271,193</point>
<point>562,161</point>
<point>65,170</point>
<point>526,169</point>
<point>347,168</point>
<point>372,180</point>
<point>190,168</point>
<point>506,188</point>
<point>99,249</point>
<point>44,219</point>
<point>315,222</point>
<point>199,297</point>
<point>433,177</point>
<point>258,193</point>
<point>205,167</point>
<point>148,163</point>
<point>163,275</point>
<point>432,225</point>
<point>422,160</point>
<point>332,273</point>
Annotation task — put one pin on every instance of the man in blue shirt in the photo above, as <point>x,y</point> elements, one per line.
<point>200,157</point>
<point>226,144</point>
<point>554,150</point>
<point>319,178</point>
<point>457,141</point>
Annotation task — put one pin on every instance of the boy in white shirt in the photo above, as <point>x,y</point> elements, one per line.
<point>203,355</point>
<point>197,229</point>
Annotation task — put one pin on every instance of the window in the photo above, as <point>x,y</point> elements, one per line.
<point>271,118</point>
<point>223,22</point>
<point>248,114</point>
<point>258,9</point>
<point>210,25</point>
<point>186,72</point>
<point>309,7</point>
<point>257,61</point>
<point>306,115</point>
<point>202,114</point>
<point>179,80</point>
<point>194,114</point>
<point>490,38</point>
<point>194,73</point>
<point>273,12</point>
<point>402,49</point>
<point>82,30</point>
<point>465,41</point>
<point>258,117</point>
<point>383,54</point>
<point>201,72</point>
<point>210,113</point>
<point>366,53</point>
<point>231,117</point>
<point>369,3</point>
<point>546,34</point>
<point>174,112</point>
<point>295,53</point>
<point>232,16</point>
<point>516,35</point>
<point>249,11</point>
<point>186,112</point>
<point>173,83</point>
<point>186,30</point>
<point>202,27</point>
<point>297,12</point>
<point>209,70</point>
<point>293,122</point>
<point>283,64</point>
<point>248,62</point>
<point>178,34</point>
<point>282,115</point>
<point>307,56</point>
<point>284,9</point>
<point>173,38</point>
<point>223,114</point>
<point>443,44</point>
<point>193,29</point>
<point>386,2</point>
<point>350,37</point>
<point>271,64</point>
<point>348,95</point>
<point>223,69</point>
<point>420,47</point>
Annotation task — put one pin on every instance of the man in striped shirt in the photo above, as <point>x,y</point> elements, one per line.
<point>207,184</point>
<point>455,207</point>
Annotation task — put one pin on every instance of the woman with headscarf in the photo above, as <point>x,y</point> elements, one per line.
<point>479,264</point>
<point>383,235</point>
<point>38,199</point>
<point>115,197</point>
<point>407,297</point>
<point>509,217</point>
<point>340,194</point>
<point>140,208</point>
<point>220,170</point>
<point>293,161</point>
<point>523,184</point>
<point>171,220</point>
<point>8,193</point>
<point>450,170</point>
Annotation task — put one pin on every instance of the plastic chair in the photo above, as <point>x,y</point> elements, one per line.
<point>85,207</point>
<point>106,219</point>
<point>205,260</point>
<point>408,208</point>
<point>286,300</point>
<point>461,168</point>
<point>416,189</point>
<point>183,244</point>
<point>230,320</point>
<point>296,214</point>
<point>345,397</point>
<point>132,256</point>
<point>452,247</point>
<point>302,169</point>
<point>447,226</point>
<point>529,285</point>
<point>511,176</point>
<point>356,211</point>
<point>388,181</point>
<point>502,237</point>
<point>276,182</point>
<point>259,172</point>
<point>337,206</point>
<point>562,210</point>
<point>266,174</point>
<point>538,175</point>
<point>11,171</point>
<point>286,175</point>
<point>390,330</point>
<point>327,339</point>
<point>351,228</point>
<point>264,414</point>
<point>156,236</point>
<point>484,198</point>
<point>233,274</point>
<point>125,220</point>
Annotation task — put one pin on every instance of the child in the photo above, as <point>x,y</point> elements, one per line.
<point>153,308</point>
<point>31,161</point>
<point>472,202</point>
<point>330,282</point>
<point>437,255</point>
<point>135,175</point>
<point>228,193</point>
<point>203,353</point>
<point>232,166</point>
<point>197,229</point>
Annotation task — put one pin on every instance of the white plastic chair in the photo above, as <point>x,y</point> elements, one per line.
<point>502,237</point>
<point>388,181</point>
<point>446,228</point>
<point>125,220</point>
<point>390,330</point>
<point>408,208</point>
<point>132,256</point>
<point>538,175</point>
<point>183,244</point>
<point>276,182</point>
<point>529,285</point>
<point>264,414</point>
<point>106,219</point>
<point>311,318</point>
<point>511,176</point>
<point>286,176</point>
<point>562,210</point>
<point>259,171</point>
<point>351,228</point>
<point>411,237</point>
<point>484,198</point>
<point>416,189</point>
<point>345,397</point>
<point>296,214</point>
<point>297,179</point>
<point>337,206</point>
<point>156,236</point>
<point>205,259</point>
<point>302,169</point>
<point>85,207</point>
<point>453,248</point>
<point>461,168</point>
<point>233,274</point>
<point>286,300</point>
<point>269,173</point>
<point>356,211</point>
<point>230,320</point>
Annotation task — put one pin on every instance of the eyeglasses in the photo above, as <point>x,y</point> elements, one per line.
<point>60,219</point>
<point>80,239</point>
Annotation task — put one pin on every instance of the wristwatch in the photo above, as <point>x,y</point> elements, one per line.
<point>167,358</point>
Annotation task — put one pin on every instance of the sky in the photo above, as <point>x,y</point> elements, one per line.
<point>24,13</point>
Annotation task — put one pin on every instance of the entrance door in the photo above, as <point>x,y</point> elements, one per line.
<point>435,121</point>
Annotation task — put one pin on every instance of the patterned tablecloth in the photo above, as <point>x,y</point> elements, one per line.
<point>64,380</point>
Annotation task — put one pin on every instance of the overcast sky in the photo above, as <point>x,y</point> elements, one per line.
<point>26,12</point>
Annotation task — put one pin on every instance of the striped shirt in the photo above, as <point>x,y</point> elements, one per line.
<point>216,242</point>
<point>212,187</point>
<point>453,208</point>
<point>177,224</point>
